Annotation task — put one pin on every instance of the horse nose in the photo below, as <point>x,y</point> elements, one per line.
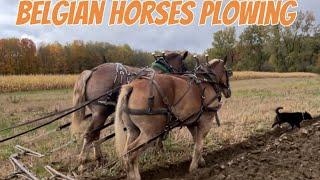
<point>228,94</point>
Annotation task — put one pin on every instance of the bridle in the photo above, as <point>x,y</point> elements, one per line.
<point>211,78</point>
<point>229,74</point>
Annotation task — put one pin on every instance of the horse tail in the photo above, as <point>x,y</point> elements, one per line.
<point>277,110</point>
<point>120,135</point>
<point>79,96</point>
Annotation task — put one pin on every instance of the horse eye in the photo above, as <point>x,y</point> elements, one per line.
<point>230,73</point>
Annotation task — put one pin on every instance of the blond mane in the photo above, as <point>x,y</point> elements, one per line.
<point>213,61</point>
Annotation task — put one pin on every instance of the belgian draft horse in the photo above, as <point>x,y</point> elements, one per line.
<point>184,99</point>
<point>94,83</point>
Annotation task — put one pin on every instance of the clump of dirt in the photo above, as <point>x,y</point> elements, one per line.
<point>278,154</point>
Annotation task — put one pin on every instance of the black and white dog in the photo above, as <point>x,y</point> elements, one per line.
<point>294,119</point>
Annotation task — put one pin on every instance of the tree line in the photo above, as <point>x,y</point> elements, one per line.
<point>20,56</point>
<point>271,48</point>
<point>255,48</point>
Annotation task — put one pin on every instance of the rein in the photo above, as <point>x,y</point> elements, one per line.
<point>70,111</point>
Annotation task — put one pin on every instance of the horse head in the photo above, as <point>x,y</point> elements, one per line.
<point>222,73</point>
<point>216,72</point>
<point>172,62</point>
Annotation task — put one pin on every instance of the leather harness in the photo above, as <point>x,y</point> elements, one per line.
<point>123,76</point>
<point>167,111</point>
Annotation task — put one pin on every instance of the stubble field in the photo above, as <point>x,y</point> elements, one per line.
<point>249,112</point>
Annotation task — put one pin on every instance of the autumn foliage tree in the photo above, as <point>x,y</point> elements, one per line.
<point>272,48</point>
<point>256,48</point>
<point>20,56</point>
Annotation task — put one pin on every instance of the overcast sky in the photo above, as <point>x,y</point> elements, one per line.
<point>150,38</point>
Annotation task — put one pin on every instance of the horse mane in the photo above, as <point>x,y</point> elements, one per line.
<point>213,61</point>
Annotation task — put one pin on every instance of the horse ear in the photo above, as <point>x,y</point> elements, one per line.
<point>214,63</point>
<point>225,59</point>
<point>104,59</point>
<point>184,55</point>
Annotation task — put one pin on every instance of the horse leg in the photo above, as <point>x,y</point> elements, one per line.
<point>98,120</point>
<point>146,130</point>
<point>83,156</point>
<point>199,132</point>
<point>131,159</point>
<point>90,137</point>
<point>133,165</point>
<point>193,130</point>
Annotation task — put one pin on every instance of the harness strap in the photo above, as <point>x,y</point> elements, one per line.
<point>121,77</point>
<point>168,109</point>
<point>154,83</point>
<point>184,94</point>
<point>149,110</point>
<point>212,100</point>
<point>122,73</point>
<point>160,111</point>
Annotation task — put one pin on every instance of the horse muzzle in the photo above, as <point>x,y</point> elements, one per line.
<point>226,92</point>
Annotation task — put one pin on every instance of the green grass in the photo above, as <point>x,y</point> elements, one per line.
<point>255,92</point>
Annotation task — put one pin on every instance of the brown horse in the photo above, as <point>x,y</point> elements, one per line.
<point>191,100</point>
<point>96,82</point>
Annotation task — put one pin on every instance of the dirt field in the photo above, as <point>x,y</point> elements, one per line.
<point>242,148</point>
<point>278,154</point>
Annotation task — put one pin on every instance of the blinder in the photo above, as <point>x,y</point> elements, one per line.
<point>211,78</point>
<point>229,73</point>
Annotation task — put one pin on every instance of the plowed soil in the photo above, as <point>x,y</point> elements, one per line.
<point>279,154</point>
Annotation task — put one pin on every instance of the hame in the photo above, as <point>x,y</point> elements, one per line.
<point>62,12</point>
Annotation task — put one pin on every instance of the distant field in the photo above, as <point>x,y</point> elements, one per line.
<point>35,82</point>
<point>261,75</point>
<point>45,82</point>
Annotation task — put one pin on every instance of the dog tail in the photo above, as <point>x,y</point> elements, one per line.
<point>277,110</point>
